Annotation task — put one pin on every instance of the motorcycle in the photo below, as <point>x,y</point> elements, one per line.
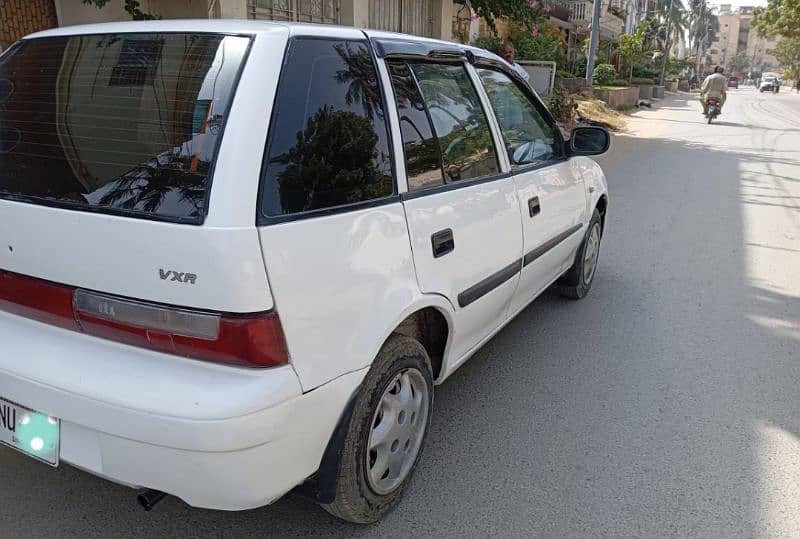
<point>713,106</point>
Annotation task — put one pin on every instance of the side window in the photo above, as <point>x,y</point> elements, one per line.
<point>528,137</point>
<point>458,120</point>
<point>421,148</point>
<point>328,142</point>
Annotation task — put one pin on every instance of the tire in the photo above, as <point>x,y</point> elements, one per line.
<point>402,365</point>
<point>710,117</point>
<point>577,281</point>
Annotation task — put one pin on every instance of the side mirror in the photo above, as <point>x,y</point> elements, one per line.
<point>589,141</point>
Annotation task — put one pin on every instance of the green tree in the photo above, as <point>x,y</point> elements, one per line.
<point>631,48</point>
<point>780,17</point>
<point>132,7</point>
<point>677,19</point>
<point>738,62</point>
<point>788,54</point>
<point>528,13</point>
<point>604,74</point>
<point>703,24</point>
<point>546,45</point>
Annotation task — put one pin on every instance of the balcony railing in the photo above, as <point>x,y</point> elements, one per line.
<point>580,11</point>
<point>581,15</point>
<point>560,9</point>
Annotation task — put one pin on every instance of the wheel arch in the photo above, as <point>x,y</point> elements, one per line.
<point>430,322</point>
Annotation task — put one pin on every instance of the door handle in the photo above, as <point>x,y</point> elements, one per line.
<point>534,208</point>
<point>442,242</point>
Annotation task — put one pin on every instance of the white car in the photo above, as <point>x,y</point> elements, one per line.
<point>769,83</point>
<point>236,257</point>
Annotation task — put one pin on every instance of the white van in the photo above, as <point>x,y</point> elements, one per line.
<point>236,257</point>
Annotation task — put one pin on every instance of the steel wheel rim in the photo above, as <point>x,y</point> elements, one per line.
<point>397,429</point>
<point>590,254</point>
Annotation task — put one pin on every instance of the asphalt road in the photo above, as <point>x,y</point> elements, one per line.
<point>664,404</point>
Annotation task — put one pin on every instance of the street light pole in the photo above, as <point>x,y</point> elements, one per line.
<point>668,44</point>
<point>594,37</point>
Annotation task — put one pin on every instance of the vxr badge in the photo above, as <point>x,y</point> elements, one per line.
<point>177,276</point>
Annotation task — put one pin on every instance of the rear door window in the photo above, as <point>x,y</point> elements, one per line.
<point>421,148</point>
<point>459,121</point>
<point>123,123</point>
<point>329,141</point>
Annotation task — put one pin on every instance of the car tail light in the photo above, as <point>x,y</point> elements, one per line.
<point>255,340</point>
<point>40,300</point>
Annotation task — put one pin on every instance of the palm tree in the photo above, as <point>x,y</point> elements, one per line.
<point>703,25</point>
<point>677,20</point>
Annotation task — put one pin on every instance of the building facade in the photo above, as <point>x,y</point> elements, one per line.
<point>433,18</point>
<point>443,19</point>
<point>21,17</point>
<point>735,35</point>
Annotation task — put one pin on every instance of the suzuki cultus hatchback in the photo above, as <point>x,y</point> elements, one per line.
<point>236,257</point>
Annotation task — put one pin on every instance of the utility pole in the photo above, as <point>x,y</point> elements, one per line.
<point>668,44</point>
<point>594,37</point>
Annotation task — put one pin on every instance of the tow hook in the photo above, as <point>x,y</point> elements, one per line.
<point>148,498</point>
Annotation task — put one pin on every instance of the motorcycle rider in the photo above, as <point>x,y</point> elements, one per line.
<point>714,87</point>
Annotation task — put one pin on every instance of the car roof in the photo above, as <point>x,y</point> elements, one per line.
<point>247,27</point>
<point>239,26</point>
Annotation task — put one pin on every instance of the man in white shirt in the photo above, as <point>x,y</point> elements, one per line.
<point>507,52</point>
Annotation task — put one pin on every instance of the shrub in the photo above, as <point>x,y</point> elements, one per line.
<point>563,74</point>
<point>579,68</point>
<point>562,105</point>
<point>490,43</point>
<point>603,74</point>
<point>618,82</point>
<point>645,72</point>
<point>546,45</point>
<point>642,80</point>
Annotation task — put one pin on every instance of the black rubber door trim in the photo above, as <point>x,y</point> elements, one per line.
<point>488,284</point>
<point>549,244</point>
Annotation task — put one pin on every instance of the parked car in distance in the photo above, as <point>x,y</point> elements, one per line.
<point>733,82</point>
<point>238,256</point>
<point>769,83</point>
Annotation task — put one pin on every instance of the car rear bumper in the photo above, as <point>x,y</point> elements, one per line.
<point>229,480</point>
<point>201,432</point>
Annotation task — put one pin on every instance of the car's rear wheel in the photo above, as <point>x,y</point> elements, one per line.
<point>577,281</point>
<point>386,432</point>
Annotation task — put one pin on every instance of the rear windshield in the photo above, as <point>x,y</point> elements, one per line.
<point>125,123</point>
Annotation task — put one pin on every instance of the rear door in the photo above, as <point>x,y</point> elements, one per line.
<point>463,214</point>
<point>331,223</point>
<point>108,147</point>
<point>552,197</point>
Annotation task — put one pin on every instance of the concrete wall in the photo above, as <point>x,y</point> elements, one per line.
<point>231,9</point>
<point>619,97</point>
<point>72,12</point>
<point>21,17</point>
<point>355,13</point>
<point>176,9</point>
<point>443,12</point>
<point>572,85</point>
